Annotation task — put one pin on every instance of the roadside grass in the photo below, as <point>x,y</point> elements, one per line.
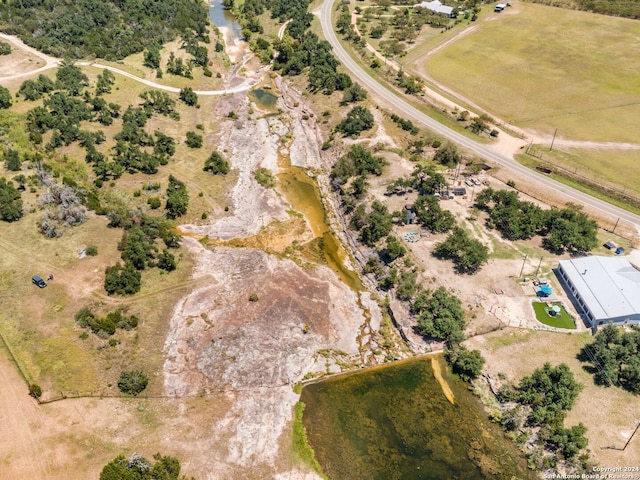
<point>592,190</point>
<point>301,451</point>
<point>560,320</point>
<point>517,353</point>
<point>613,169</point>
<point>585,82</point>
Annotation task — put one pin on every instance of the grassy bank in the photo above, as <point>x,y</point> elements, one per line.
<point>301,451</point>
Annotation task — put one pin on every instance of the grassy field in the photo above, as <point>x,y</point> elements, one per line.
<point>545,68</point>
<point>608,413</point>
<point>561,320</point>
<point>39,324</point>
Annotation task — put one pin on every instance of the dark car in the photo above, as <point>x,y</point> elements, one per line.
<point>37,280</point>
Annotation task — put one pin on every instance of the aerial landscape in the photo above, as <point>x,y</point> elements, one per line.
<point>319,239</point>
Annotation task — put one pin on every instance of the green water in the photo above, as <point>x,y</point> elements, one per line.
<point>263,98</point>
<point>394,423</point>
<point>302,192</point>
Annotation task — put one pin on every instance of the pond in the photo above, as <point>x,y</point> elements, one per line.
<point>263,98</point>
<point>394,422</point>
<point>222,18</point>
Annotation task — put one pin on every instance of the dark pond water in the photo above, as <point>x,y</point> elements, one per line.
<point>394,423</point>
<point>263,98</point>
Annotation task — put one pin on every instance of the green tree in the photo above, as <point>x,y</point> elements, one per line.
<point>357,121</point>
<point>122,279</point>
<point>70,78</point>
<point>448,155</point>
<point>133,382</point>
<point>152,57</point>
<point>550,391</point>
<point>394,249</point>
<point>468,254</point>
<point>5,98</point>
<point>379,224</point>
<point>193,140</point>
<point>12,160</point>
<point>166,261</point>
<point>467,364</point>
<point>105,81</point>
<point>354,93</point>
<point>216,164</point>
<point>10,201</point>
<point>568,441</point>
<point>188,96</point>
<point>137,249</point>
<point>440,315</point>
<point>177,198</point>
<point>5,48</point>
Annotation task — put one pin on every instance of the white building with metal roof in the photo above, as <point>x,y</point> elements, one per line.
<point>437,7</point>
<point>607,289</point>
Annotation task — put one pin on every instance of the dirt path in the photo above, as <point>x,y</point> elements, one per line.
<point>19,415</point>
<point>50,62</point>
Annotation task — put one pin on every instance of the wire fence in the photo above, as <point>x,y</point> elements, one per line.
<point>549,164</point>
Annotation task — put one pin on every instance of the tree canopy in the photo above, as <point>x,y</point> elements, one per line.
<point>110,29</point>
<point>10,201</point>
<point>615,356</point>
<point>357,121</point>
<point>468,254</point>
<point>550,392</point>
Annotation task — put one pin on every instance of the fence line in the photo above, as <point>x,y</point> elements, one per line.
<point>598,183</point>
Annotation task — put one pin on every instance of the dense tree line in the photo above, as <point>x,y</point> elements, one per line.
<point>110,29</point>
<point>564,229</point>
<point>615,357</point>
<point>136,467</point>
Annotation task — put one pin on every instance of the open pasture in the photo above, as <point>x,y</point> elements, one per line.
<point>547,68</point>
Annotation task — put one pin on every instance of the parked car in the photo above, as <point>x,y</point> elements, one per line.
<point>37,280</point>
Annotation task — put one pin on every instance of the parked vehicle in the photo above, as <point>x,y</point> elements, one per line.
<point>37,280</point>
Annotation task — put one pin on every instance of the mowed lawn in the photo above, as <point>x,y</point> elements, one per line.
<point>545,68</point>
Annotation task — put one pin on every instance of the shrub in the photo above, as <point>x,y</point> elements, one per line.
<point>264,177</point>
<point>122,280</point>
<point>35,391</point>
<point>91,250</point>
<point>216,164</point>
<point>193,140</point>
<point>254,297</point>
<point>154,202</point>
<point>133,382</point>
<point>166,261</point>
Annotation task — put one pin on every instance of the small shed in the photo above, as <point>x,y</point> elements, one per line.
<point>459,191</point>
<point>610,245</point>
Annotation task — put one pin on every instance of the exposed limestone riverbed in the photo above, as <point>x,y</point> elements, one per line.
<point>303,319</point>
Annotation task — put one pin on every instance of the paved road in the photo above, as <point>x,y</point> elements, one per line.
<point>400,106</point>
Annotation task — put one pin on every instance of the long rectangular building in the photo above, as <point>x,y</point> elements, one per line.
<point>607,289</point>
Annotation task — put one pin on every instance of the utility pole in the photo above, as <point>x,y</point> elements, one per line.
<point>538,269</point>
<point>524,259</point>
<point>554,139</point>
<point>614,227</point>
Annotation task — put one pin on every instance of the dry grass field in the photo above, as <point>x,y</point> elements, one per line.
<point>545,68</point>
<point>608,413</point>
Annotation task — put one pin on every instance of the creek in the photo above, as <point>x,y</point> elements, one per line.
<point>224,19</point>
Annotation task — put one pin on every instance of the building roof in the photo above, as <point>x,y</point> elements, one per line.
<point>437,7</point>
<point>609,286</point>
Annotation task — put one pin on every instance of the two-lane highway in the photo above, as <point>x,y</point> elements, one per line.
<point>402,107</point>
